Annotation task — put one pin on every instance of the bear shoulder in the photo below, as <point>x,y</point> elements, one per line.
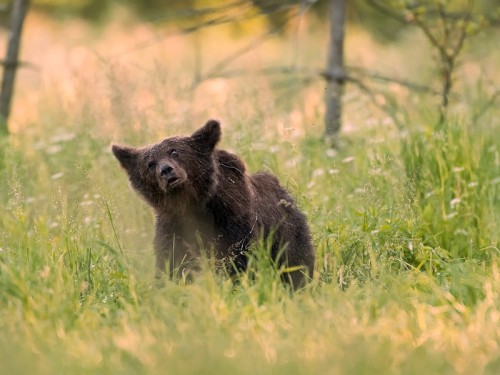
<point>230,163</point>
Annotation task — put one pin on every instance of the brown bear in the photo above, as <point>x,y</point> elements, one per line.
<point>203,199</point>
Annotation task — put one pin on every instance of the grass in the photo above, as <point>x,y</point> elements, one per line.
<point>405,226</point>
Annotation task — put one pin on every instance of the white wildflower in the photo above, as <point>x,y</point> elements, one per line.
<point>376,141</point>
<point>57,175</point>
<point>450,216</point>
<point>318,172</point>
<point>292,162</point>
<point>39,145</point>
<point>45,272</point>
<point>274,149</point>
<point>348,159</point>
<point>331,152</point>
<point>65,137</point>
<point>54,149</point>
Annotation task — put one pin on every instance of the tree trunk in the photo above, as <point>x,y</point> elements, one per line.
<point>335,69</point>
<point>19,9</point>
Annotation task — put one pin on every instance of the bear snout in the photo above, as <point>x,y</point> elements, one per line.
<point>166,170</point>
<point>170,176</point>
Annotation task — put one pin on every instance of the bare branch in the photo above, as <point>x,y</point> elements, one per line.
<point>18,14</point>
<point>489,104</point>
<point>188,13</point>
<point>382,8</point>
<point>428,33</point>
<point>401,82</point>
<point>218,20</point>
<point>20,64</point>
<point>257,41</point>
<point>463,29</point>
<point>444,23</point>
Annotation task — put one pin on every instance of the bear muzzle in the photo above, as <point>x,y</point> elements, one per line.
<point>170,177</point>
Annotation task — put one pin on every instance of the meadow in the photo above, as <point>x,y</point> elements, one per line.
<point>405,217</point>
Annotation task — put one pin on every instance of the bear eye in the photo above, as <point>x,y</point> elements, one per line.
<point>152,165</point>
<point>174,153</point>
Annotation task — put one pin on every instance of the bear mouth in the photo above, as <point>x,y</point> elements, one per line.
<point>172,181</point>
<point>171,184</point>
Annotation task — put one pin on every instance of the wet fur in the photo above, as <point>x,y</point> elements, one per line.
<point>203,196</point>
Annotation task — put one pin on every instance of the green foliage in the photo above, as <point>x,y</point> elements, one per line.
<point>405,223</point>
<point>455,187</point>
<point>406,232</point>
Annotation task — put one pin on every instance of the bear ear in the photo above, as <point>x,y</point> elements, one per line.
<point>208,135</point>
<point>127,156</point>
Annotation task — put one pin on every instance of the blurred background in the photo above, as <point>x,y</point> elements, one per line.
<point>153,62</point>
<point>403,205</point>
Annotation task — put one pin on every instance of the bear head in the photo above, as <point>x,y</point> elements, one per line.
<point>176,171</point>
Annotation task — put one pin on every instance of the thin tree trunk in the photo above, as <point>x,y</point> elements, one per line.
<point>335,69</point>
<point>19,9</point>
<point>447,77</point>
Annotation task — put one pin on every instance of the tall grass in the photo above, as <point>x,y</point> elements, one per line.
<point>405,226</point>
<point>407,280</point>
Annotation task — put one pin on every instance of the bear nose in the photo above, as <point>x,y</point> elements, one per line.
<point>166,170</point>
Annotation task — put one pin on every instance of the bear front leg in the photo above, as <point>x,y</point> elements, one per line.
<point>165,248</point>
<point>174,257</point>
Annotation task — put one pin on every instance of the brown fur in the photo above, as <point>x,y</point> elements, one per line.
<point>203,197</point>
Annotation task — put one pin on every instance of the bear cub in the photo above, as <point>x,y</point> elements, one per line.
<point>204,199</point>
